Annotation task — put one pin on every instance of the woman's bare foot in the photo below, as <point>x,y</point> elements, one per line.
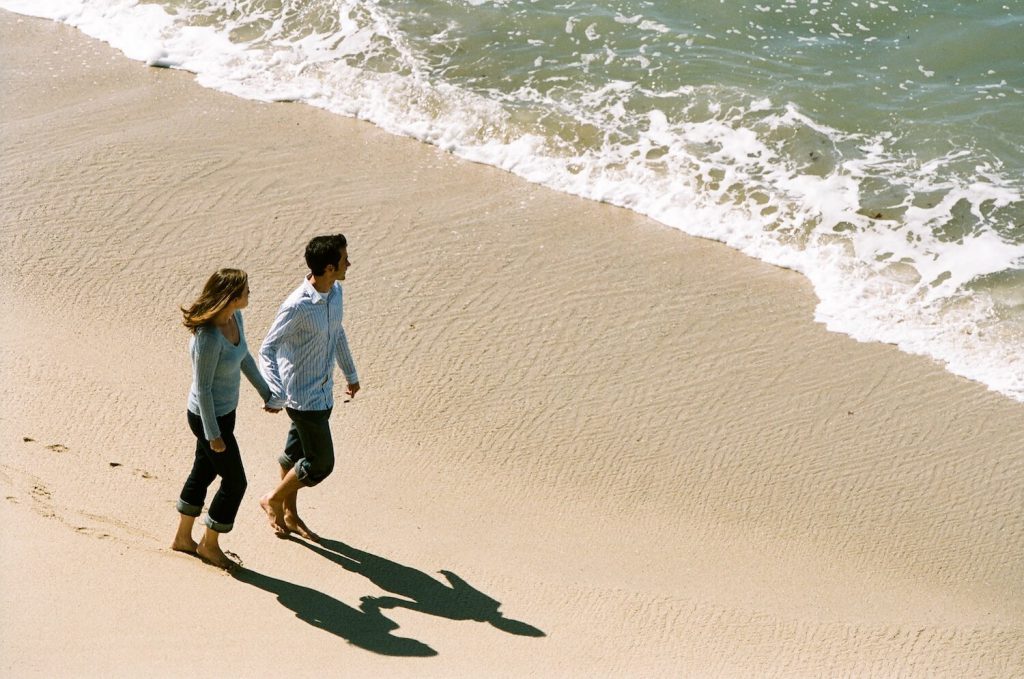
<point>183,541</point>
<point>275,512</point>
<point>297,525</point>
<point>184,545</point>
<point>213,554</point>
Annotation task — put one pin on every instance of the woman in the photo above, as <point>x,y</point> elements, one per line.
<point>219,354</point>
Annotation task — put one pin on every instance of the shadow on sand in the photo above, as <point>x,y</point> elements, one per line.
<point>418,591</point>
<point>365,629</point>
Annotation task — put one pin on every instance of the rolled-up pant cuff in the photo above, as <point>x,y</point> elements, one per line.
<point>305,474</point>
<point>302,471</point>
<point>187,509</point>
<point>216,526</point>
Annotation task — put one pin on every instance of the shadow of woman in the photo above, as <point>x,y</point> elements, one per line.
<point>456,600</point>
<point>365,629</point>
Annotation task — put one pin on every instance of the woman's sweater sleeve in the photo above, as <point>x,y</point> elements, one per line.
<point>255,377</point>
<point>249,367</point>
<point>204,367</point>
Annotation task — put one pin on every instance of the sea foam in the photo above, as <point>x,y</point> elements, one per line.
<point>863,219</point>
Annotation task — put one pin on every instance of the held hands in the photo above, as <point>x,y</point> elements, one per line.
<point>274,404</point>
<point>218,445</point>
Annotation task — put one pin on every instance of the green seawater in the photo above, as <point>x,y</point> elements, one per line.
<point>875,146</point>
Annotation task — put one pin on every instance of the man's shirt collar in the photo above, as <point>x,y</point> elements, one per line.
<point>311,292</point>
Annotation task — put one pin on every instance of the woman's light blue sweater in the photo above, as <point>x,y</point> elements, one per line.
<point>216,364</point>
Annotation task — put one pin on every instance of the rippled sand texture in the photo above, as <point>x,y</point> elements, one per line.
<point>631,442</point>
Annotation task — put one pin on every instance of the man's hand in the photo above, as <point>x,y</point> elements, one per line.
<point>271,410</point>
<point>218,445</point>
<point>352,389</point>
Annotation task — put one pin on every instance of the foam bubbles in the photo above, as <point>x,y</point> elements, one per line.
<point>902,243</point>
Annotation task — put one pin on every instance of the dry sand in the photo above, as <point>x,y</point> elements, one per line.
<point>637,442</point>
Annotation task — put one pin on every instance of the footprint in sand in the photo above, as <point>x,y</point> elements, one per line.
<point>43,500</point>
<point>144,474</point>
<point>55,447</point>
<point>92,532</point>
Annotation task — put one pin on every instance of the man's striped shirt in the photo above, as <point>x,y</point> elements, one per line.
<point>304,341</point>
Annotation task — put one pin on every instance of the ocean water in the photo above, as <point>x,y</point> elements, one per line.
<point>877,147</point>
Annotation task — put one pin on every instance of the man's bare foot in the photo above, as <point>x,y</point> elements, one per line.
<point>275,512</point>
<point>184,545</point>
<point>297,525</point>
<point>214,555</point>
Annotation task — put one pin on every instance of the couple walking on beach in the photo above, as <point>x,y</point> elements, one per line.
<point>297,357</point>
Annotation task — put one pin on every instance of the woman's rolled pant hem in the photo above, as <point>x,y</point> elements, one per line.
<point>216,526</point>
<point>188,509</point>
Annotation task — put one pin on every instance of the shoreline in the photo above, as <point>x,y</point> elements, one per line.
<point>663,475</point>
<point>962,336</point>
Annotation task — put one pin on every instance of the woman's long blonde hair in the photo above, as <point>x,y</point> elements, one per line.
<point>223,287</point>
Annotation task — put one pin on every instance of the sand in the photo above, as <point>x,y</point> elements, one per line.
<point>635,452</point>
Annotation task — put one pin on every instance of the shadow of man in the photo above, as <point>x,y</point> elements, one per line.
<point>456,600</point>
<point>365,629</point>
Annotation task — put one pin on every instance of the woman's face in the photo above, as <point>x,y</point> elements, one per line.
<point>242,300</point>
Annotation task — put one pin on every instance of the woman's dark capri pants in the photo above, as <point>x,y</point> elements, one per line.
<point>209,465</point>
<point>309,448</point>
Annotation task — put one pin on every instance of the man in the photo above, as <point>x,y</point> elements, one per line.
<point>296,357</point>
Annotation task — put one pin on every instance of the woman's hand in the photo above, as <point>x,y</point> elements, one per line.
<point>218,445</point>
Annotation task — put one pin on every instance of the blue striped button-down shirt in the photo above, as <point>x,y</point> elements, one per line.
<point>304,341</point>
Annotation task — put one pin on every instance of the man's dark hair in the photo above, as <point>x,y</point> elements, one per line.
<point>324,250</point>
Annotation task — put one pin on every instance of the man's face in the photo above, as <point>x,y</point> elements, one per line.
<point>343,265</point>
